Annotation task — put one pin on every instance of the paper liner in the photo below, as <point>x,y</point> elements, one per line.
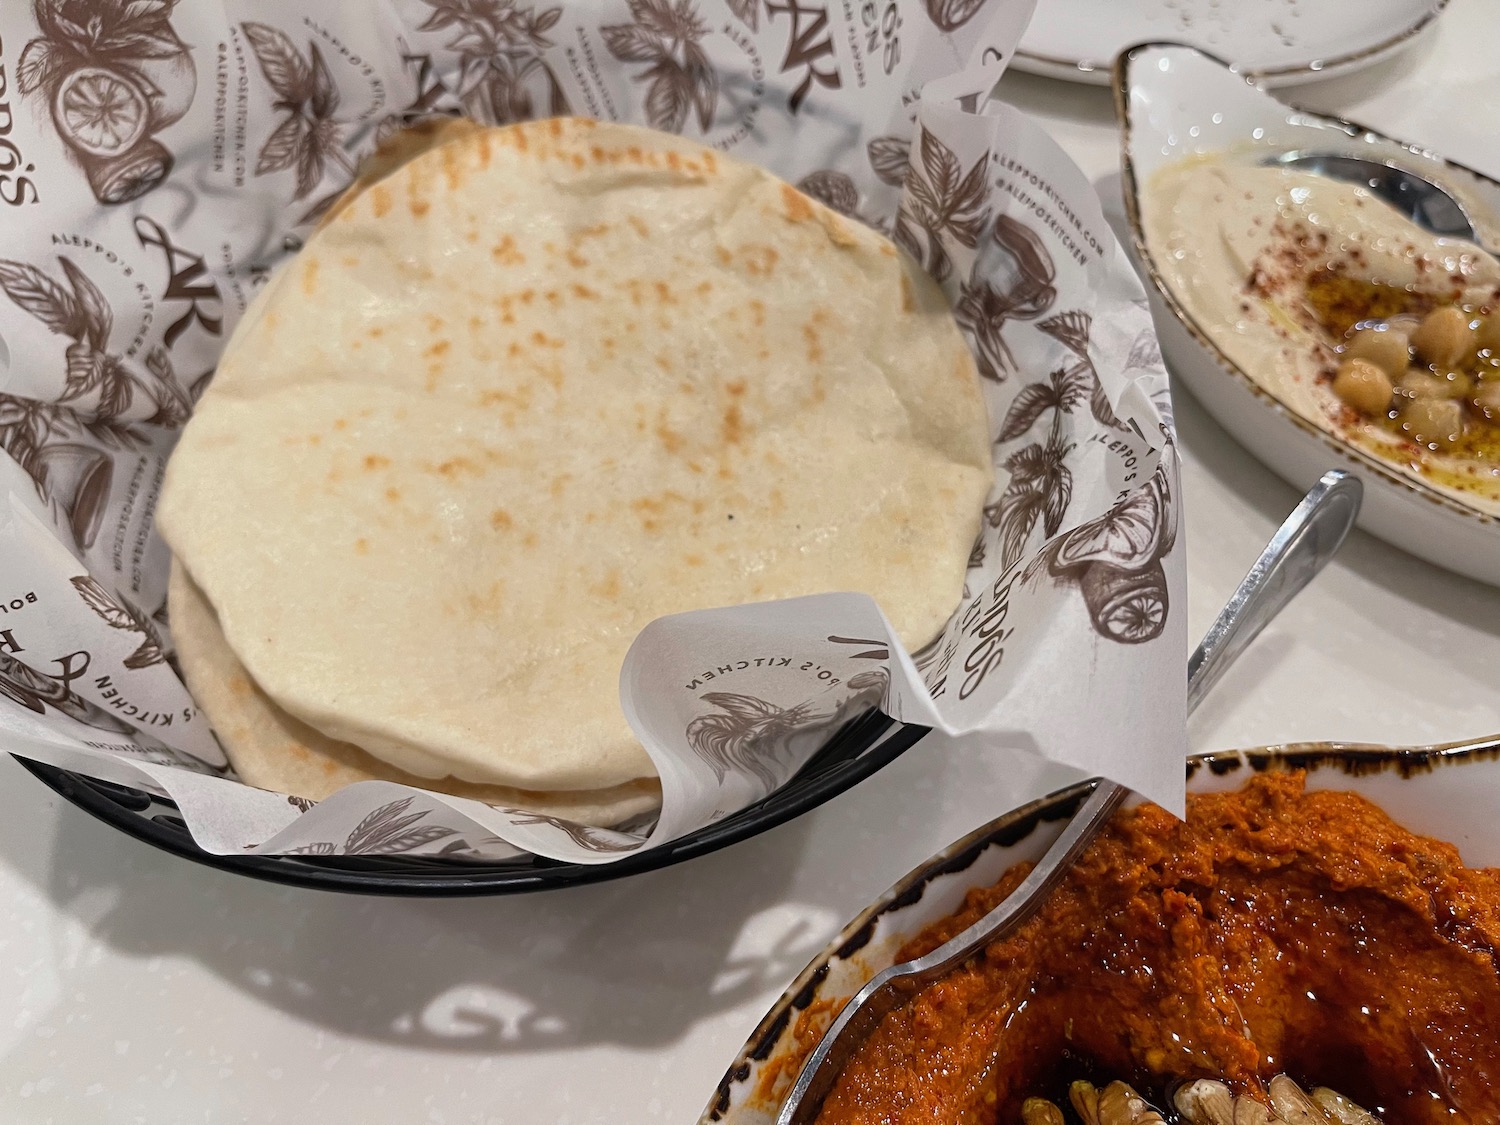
<point>158,158</point>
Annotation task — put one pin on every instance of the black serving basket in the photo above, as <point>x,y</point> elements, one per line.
<point>858,749</point>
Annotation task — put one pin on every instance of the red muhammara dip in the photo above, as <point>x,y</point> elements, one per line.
<point>1276,930</point>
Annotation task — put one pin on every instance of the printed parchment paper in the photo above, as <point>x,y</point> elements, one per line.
<point>158,158</point>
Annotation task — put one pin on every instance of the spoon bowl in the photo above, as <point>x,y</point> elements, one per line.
<point>1417,198</point>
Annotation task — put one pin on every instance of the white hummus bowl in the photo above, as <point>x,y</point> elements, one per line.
<point>1174,101</point>
<point>1445,792</point>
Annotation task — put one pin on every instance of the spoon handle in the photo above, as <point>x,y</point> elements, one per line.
<point>1322,520</point>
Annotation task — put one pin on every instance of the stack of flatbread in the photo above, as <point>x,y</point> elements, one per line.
<point>517,397</point>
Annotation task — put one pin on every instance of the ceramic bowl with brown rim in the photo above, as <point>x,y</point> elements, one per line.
<point>1444,792</point>
<point>1176,103</point>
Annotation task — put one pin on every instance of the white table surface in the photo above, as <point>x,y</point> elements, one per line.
<point>136,987</point>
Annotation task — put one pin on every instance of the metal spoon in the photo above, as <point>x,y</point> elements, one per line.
<point>1299,549</point>
<point>1422,201</point>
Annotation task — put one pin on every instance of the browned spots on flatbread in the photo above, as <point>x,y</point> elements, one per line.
<point>839,232</point>
<point>559,485</point>
<point>670,439</point>
<point>705,287</point>
<point>609,588</point>
<point>652,510</point>
<point>886,248</point>
<point>419,207</point>
<point>732,428</point>
<point>375,461</point>
<point>361,546</point>
<point>239,685</point>
<point>664,293</point>
<point>341,423</point>
<point>518,399</point>
<point>434,323</point>
<point>393,495</point>
<point>724,254</point>
<point>350,261</point>
<point>542,340</point>
<point>584,293</point>
<point>664,361</point>
<point>638,225</point>
<point>490,601</point>
<point>819,393</point>
<point>505,252</point>
<point>908,298</point>
<point>452,168</point>
<point>517,136</point>
<point>455,466</point>
<point>554,128</point>
<point>376,331</point>
<point>795,206</point>
<point>380,200</point>
<point>482,143</point>
<point>758,312</point>
<point>814,338</point>
<point>500,520</point>
<point>760,261</point>
<point>437,348</point>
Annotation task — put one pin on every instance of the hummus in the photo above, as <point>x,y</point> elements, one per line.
<point>1274,930</point>
<point>1276,266</point>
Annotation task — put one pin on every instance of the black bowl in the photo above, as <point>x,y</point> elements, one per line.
<point>858,749</point>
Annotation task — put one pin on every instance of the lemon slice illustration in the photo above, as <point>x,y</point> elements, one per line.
<point>99,111</point>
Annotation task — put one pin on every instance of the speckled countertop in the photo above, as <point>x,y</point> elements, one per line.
<point>136,987</point>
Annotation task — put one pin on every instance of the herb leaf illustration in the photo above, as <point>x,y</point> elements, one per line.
<point>499,45</point>
<point>747,734</point>
<point>1063,391</point>
<point>679,80</point>
<point>944,201</point>
<point>118,616</point>
<point>281,63</point>
<point>833,189</point>
<point>79,311</point>
<point>95,320</point>
<point>390,828</point>
<point>39,295</point>
<point>281,147</point>
<point>308,138</point>
<point>889,158</point>
<point>1012,279</point>
<point>747,12</point>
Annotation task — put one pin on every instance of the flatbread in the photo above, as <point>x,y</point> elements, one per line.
<point>271,750</point>
<point>544,384</point>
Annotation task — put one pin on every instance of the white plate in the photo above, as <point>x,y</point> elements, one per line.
<point>1282,42</point>
<point>1175,101</point>
<point>1446,793</point>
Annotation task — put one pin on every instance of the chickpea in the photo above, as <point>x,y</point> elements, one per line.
<point>1444,337</point>
<point>1363,385</point>
<point>1419,384</point>
<point>1434,422</point>
<point>1487,401</point>
<point>1386,348</point>
<point>1489,333</point>
<point>1460,384</point>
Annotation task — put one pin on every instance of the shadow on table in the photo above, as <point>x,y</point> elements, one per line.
<point>637,962</point>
